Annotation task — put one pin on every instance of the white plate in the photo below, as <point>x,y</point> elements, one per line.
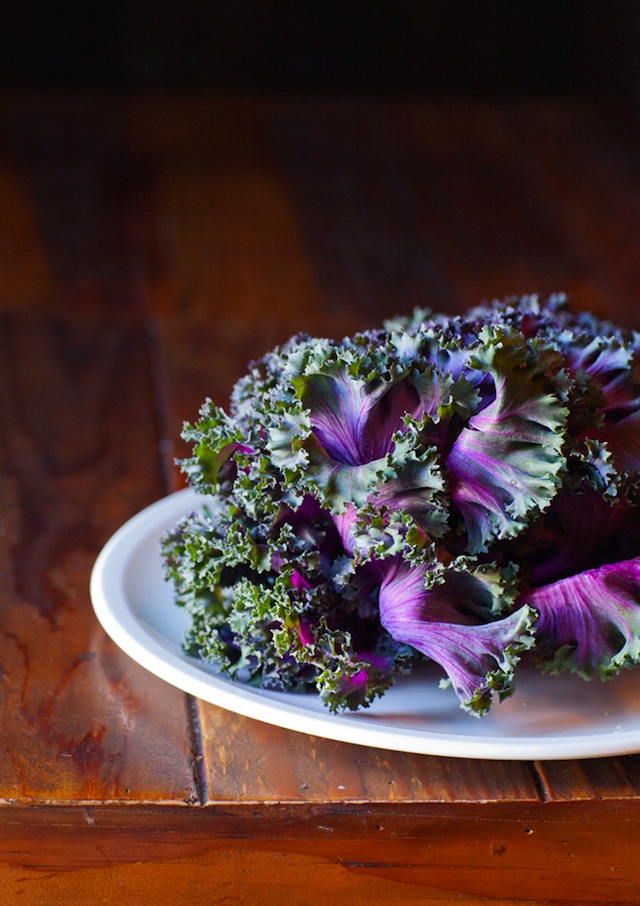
<point>547,718</point>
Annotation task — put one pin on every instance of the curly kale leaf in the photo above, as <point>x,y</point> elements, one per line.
<point>590,622</point>
<point>449,615</point>
<point>504,467</point>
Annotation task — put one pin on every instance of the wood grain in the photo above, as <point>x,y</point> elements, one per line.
<point>602,778</point>
<point>596,185</point>
<point>79,455</point>
<point>504,853</point>
<point>349,170</point>
<point>151,247</point>
<point>76,199</point>
<point>223,238</point>
<point>248,761</point>
<point>26,271</point>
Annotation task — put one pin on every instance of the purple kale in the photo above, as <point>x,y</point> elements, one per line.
<point>454,489</point>
<point>590,622</point>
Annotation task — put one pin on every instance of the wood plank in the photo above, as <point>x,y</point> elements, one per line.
<point>590,185</point>
<point>438,779</point>
<point>26,272</point>
<point>79,455</point>
<point>250,761</point>
<point>495,230</point>
<point>73,194</point>
<point>347,165</point>
<point>630,765</point>
<point>402,853</point>
<point>589,778</point>
<point>222,236</point>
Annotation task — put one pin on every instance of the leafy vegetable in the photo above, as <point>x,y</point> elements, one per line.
<point>459,489</point>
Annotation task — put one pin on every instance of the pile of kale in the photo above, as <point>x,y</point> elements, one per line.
<point>455,489</point>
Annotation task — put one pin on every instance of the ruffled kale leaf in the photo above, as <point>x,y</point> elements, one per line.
<point>352,438</point>
<point>590,622</point>
<point>505,465</point>
<point>450,617</point>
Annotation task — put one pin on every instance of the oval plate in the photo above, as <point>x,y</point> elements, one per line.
<point>547,718</point>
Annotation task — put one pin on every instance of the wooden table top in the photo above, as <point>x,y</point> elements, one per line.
<point>149,248</point>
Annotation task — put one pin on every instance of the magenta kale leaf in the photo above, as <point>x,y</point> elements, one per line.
<point>590,622</point>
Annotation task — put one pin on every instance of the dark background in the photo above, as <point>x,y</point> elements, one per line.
<point>472,47</point>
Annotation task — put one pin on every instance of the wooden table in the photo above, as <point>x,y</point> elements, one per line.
<point>149,248</point>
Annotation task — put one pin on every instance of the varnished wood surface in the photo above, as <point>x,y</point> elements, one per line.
<point>149,248</point>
